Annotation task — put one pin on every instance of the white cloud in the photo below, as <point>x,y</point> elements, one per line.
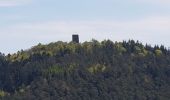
<point>157,24</point>
<point>153,30</point>
<point>9,3</point>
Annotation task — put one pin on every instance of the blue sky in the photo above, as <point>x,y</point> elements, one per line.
<point>25,23</point>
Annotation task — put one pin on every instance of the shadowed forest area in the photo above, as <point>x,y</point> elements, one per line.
<point>92,70</point>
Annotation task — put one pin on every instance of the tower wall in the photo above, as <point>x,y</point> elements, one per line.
<point>75,38</point>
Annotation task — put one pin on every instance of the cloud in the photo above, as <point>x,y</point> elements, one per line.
<point>152,30</point>
<point>9,3</point>
<point>158,24</point>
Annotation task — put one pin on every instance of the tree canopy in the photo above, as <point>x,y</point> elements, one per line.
<point>92,70</point>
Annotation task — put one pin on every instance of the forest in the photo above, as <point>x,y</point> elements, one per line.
<point>106,70</point>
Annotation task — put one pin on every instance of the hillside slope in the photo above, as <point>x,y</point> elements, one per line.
<point>86,71</point>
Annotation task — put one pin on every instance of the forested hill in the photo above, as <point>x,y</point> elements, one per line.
<point>93,70</point>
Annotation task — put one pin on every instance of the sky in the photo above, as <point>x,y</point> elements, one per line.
<point>25,23</point>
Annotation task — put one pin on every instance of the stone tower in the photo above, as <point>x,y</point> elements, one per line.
<point>75,38</point>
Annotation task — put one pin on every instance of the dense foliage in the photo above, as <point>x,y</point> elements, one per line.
<point>86,71</point>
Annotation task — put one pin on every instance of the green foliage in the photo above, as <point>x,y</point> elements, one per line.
<point>145,52</point>
<point>20,56</point>
<point>120,48</point>
<point>71,47</point>
<point>54,70</point>
<point>158,52</point>
<point>72,67</point>
<point>87,46</point>
<point>2,93</point>
<point>96,68</point>
<point>137,49</point>
<point>91,70</point>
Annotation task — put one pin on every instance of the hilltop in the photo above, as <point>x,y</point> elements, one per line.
<point>92,70</point>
